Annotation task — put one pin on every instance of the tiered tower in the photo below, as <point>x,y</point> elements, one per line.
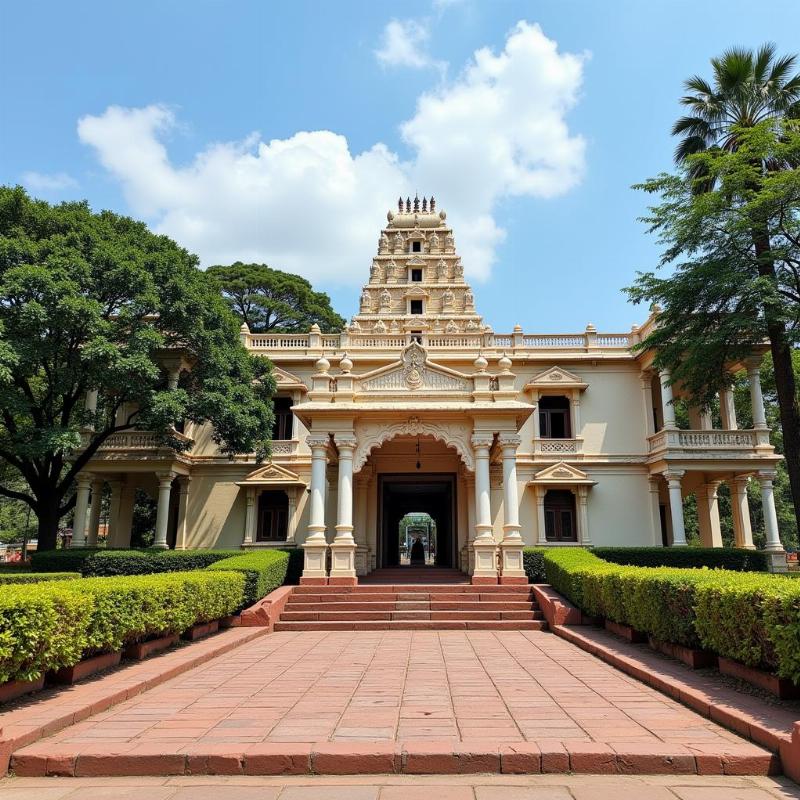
<point>416,281</point>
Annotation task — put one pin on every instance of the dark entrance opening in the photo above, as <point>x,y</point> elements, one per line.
<point>431,494</point>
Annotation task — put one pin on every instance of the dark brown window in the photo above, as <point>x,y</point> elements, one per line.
<point>554,418</point>
<point>416,306</point>
<point>273,516</point>
<point>416,247</point>
<point>416,336</point>
<point>559,516</point>
<point>282,427</point>
<point>416,275</point>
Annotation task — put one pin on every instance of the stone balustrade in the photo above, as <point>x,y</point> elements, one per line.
<point>711,440</point>
<point>557,447</point>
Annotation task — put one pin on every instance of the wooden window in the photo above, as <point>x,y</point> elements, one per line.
<point>559,516</point>
<point>282,426</point>
<point>273,516</point>
<point>416,276</point>
<point>416,306</point>
<point>554,418</point>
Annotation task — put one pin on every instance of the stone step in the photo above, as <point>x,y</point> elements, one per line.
<point>486,605</point>
<point>414,625</point>
<point>358,616</point>
<point>342,597</point>
<point>444,588</point>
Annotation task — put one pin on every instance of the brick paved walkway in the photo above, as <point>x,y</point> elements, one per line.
<point>387,787</point>
<point>415,688</point>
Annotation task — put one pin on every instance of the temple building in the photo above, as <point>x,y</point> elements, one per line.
<point>498,440</point>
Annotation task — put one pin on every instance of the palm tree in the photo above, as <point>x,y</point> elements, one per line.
<point>749,88</point>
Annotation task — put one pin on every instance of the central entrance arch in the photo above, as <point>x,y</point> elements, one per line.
<point>428,493</point>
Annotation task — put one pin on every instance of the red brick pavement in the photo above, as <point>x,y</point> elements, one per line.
<point>392,701</point>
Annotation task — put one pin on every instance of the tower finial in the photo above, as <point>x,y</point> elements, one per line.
<point>424,203</point>
<point>433,204</point>
<point>400,205</point>
<point>408,205</point>
<point>416,202</point>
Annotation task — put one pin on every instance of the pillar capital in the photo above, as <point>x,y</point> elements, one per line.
<point>482,441</point>
<point>346,443</point>
<point>509,441</point>
<point>671,475</point>
<point>165,478</point>
<point>765,476</point>
<point>84,478</point>
<point>317,441</point>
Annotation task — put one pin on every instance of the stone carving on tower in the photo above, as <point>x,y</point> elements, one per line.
<point>416,277</point>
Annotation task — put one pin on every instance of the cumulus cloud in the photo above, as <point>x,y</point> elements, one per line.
<point>404,44</point>
<point>48,182</point>
<point>309,205</point>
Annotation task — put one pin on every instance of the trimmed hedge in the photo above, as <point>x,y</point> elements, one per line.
<point>733,558</point>
<point>105,563</point>
<point>56,623</point>
<point>264,570</point>
<point>36,577</point>
<point>533,564</point>
<point>69,559</point>
<point>749,617</point>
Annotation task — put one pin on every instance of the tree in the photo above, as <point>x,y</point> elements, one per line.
<point>730,226</point>
<point>97,303</point>
<point>270,300</point>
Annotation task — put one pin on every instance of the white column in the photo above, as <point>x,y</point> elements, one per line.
<point>484,545</point>
<point>667,408</point>
<point>773,544</point>
<point>727,410</point>
<point>535,402</point>
<point>94,512</point>
<point>512,570</point>
<point>576,413</point>
<point>756,397</point>
<point>291,514</point>
<point>183,509</point>
<point>740,508</point>
<point>655,509</point>
<point>708,514</point>
<point>315,569</point>
<point>673,478</point>
<point>249,517</point>
<point>583,516</point>
<point>647,399</point>
<point>162,510</point>
<point>541,534</point>
<point>343,547</point>
<point>84,481</point>
<point>114,509</point>
<point>90,404</point>
<point>706,420</point>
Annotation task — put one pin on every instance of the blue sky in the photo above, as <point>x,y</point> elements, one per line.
<point>531,149</point>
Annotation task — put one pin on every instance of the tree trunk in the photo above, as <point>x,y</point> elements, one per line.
<point>47,530</point>
<point>785,384</point>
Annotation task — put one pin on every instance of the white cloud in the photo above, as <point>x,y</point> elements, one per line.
<point>308,205</point>
<point>48,182</point>
<point>404,44</point>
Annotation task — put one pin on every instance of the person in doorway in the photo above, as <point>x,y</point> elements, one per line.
<point>417,552</point>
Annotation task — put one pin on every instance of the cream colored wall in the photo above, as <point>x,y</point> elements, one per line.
<point>216,510</point>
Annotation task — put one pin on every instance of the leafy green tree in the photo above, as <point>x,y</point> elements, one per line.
<point>97,303</point>
<point>730,226</point>
<point>270,300</point>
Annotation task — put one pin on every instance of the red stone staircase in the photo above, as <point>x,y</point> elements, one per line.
<point>442,604</point>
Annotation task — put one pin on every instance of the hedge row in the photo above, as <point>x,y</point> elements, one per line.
<point>264,570</point>
<point>70,559</point>
<point>533,564</point>
<point>57,623</point>
<point>749,617</point>
<point>104,563</point>
<point>36,577</point>
<point>733,558</point>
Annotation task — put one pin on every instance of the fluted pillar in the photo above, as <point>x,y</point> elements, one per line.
<point>740,511</point>
<point>708,514</point>
<point>94,512</point>
<point>511,566</point>
<point>183,512</point>
<point>249,517</point>
<point>162,509</point>
<point>667,407</point>
<point>773,543</point>
<point>727,410</point>
<point>756,396</point>
<point>673,478</point>
<point>484,545</point>
<point>343,547</point>
<point>315,547</point>
<point>84,481</point>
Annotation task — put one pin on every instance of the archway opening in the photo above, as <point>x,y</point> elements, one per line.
<point>417,539</point>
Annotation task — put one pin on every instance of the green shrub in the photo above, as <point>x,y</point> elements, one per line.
<point>69,559</point>
<point>750,617</point>
<point>533,564</point>
<point>41,627</point>
<point>264,571</point>
<point>732,558</point>
<point>105,563</point>
<point>35,577</point>
<point>56,623</point>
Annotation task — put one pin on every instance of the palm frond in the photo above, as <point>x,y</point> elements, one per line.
<point>762,62</point>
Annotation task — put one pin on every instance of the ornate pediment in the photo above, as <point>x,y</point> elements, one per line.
<point>416,291</point>
<point>272,475</point>
<point>414,372</point>
<point>562,473</point>
<point>286,380</point>
<point>556,377</point>
<point>415,261</point>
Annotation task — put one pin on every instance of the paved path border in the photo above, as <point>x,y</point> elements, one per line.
<point>36,716</point>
